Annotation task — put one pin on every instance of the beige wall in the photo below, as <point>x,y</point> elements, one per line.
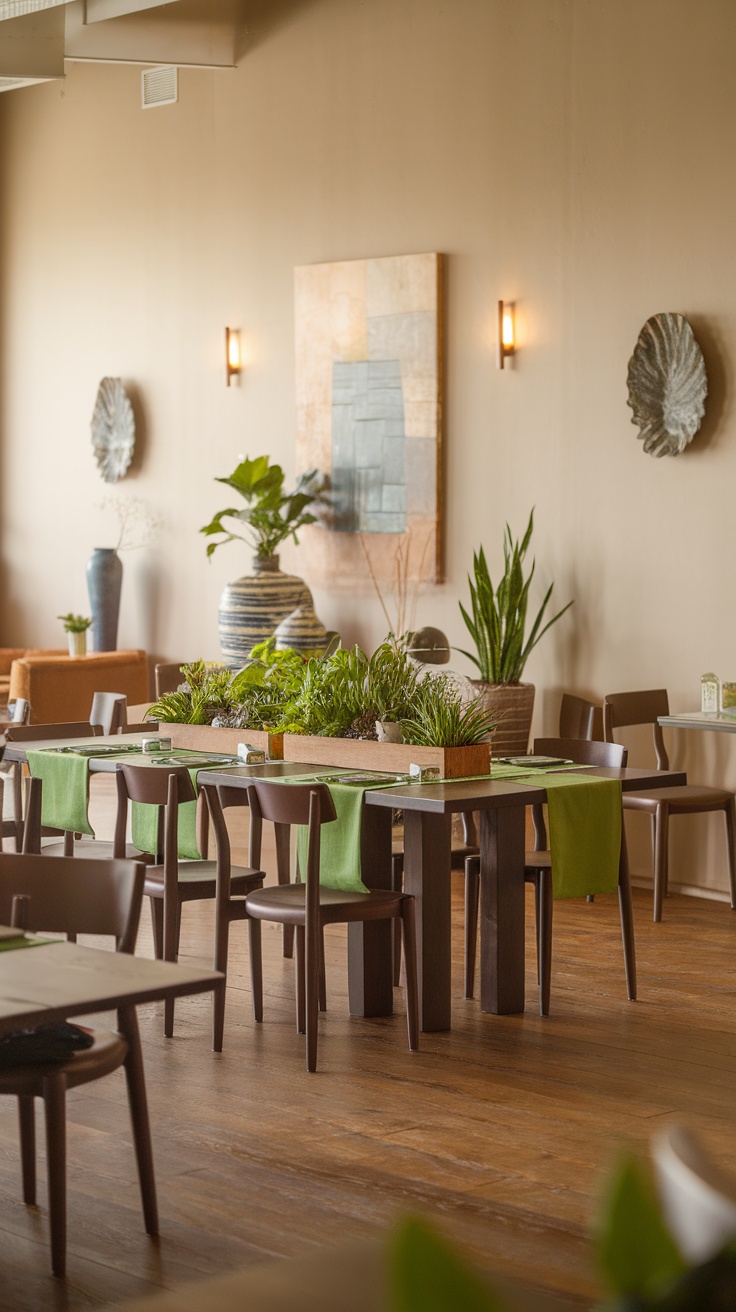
<point>571,155</point>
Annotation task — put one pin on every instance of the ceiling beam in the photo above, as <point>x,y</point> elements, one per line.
<point>174,33</point>
<point>33,47</point>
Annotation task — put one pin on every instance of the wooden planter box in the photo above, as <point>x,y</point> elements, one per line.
<point>359,754</point>
<point>203,738</point>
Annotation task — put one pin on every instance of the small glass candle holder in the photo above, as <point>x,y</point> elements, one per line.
<point>710,688</point>
<point>728,698</point>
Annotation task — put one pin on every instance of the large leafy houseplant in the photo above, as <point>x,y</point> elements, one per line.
<point>270,514</point>
<point>498,616</point>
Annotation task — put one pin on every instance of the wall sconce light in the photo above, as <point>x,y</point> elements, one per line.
<point>232,354</point>
<point>506,331</point>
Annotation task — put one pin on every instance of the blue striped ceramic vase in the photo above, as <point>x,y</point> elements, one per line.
<point>251,608</point>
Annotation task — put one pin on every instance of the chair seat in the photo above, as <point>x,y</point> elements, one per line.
<point>688,797</point>
<point>197,876</point>
<point>106,1054</point>
<point>536,861</point>
<point>285,902</point>
<point>91,849</point>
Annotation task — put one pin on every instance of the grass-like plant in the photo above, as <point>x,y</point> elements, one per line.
<point>497,623</point>
<point>442,718</point>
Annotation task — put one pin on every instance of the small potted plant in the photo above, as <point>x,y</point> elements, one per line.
<point>75,627</point>
<point>253,606</point>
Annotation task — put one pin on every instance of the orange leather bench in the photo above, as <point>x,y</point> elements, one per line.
<point>60,687</point>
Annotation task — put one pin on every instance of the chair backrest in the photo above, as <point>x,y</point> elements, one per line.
<point>583,751</point>
<point>152,784</point>
<point>699,1200</point>
<point>110,710</point>
<point>77,897</point>
<point>290,804</point>
<point>22,733</point>
<point>167,677</point>
<point>580,718</point>
<point>623,709</point>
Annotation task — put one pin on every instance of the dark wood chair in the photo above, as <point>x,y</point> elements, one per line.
<point>580,718</point>
<point>167,676</point>
<point>100,899</point>
<point>171,882</point>
<point>538,871</point>
<point>18,733</point>
<point>622,709</point>
<point>309,906</point>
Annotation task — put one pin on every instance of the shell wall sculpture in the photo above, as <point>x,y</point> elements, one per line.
<point>113,430</point>
<point>667,385</point>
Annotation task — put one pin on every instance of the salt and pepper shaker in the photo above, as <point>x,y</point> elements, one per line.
<point>710,689</point>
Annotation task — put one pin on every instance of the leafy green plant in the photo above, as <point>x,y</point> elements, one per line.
<point>498,621</point>
<point>270,514</point>
<point>205,690</point>
<point>442,718</point>
<point>74,623</point>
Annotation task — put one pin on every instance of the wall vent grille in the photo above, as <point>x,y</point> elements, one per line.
<point>160,86</point>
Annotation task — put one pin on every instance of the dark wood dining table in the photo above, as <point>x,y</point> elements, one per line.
<point>428,809</point>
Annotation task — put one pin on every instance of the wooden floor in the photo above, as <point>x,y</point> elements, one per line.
<point>502,1129</point>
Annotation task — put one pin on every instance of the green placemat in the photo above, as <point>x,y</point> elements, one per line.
<point>30,941</point>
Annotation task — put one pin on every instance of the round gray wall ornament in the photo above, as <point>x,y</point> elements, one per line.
<point>113,430</point>
<point>667,385</point>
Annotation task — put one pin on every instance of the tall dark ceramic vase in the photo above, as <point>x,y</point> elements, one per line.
<point>104,581</point>
<point>251,608</point>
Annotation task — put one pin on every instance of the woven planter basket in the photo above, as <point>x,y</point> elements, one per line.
<point>512,705</point>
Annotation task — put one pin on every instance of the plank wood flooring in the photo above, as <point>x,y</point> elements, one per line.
<point>501,1130</point>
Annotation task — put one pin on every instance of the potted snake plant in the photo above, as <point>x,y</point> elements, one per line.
<point>497,623</point>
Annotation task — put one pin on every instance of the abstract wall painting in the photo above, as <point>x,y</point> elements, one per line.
<point>368,397</point>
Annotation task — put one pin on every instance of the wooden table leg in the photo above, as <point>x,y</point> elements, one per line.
<point>502,910</point>
<point>427,844</point>
<point>370,945</point>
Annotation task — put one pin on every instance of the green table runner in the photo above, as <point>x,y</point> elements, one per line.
<point>584,833</point>
<point>65,796</point>
<point>65,789</point>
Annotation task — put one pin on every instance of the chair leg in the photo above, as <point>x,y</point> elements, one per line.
<point>138,1104</point>
<point>397,884</point>
<point>282,835</point>
<point>314,966</point>
<point>256,968</point>
<point>322,973</point>
<point>544,938</point>
<point>54,1098</point>
<point>222,934</point>
<point>626,910</point>
<point>409,934</point>
<point>172,926</point>
<point>537,923</point>
<point>157,923</point>
<point>301,1015</point>
<point>661,836</point>
<point>472,895</point>
<point>731,839</point>
<point>27,1126</point>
